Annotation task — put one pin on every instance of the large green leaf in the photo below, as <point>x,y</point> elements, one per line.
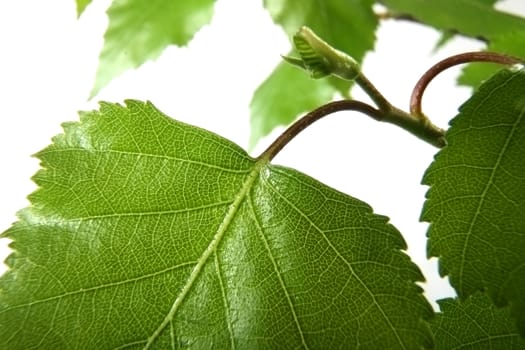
<point>146,231</point>
<point>139,30</point>
<point>474,324</point>
<point>346,25</point>
<point>476,202</point>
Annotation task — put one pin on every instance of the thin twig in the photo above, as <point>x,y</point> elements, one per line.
<point>315,115</point>
<point>467,57</point>
<point>370,89</point>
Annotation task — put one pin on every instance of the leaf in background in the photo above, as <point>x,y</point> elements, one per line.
<point>476,202</point>
<point>286,93</point>
<point>147,229</point>
<point>511,44</point>
<point>139,30</point>
<point>483,21</point>
<point>348,26</point>
<point>474,324</point>
<point>448,34</point>
<point>81,6</point>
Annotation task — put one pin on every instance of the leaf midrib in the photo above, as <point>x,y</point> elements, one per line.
<point>210,249</point>
<point>483,195</point>
<point>279,276</point>
<point>146,155</point>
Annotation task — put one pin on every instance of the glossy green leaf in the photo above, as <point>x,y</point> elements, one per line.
<point>346,25</point>
<point>146,232</point>
<point>511,44</point>
<point>81,6</point>
<point>476,202</point>
<point>139,30</point>
<point>474,324</point>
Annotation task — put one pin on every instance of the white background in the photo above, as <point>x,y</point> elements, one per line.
<point>48,59</point>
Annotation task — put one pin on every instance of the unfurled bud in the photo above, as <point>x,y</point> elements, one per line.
<point>320,59</point>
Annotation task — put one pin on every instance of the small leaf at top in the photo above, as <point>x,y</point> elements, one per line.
<point>139,30</point>
<point>81,6</point>
<point>149,233</point>
<point>476,201</point>
<point>349,26</point>
<point>474,324</point>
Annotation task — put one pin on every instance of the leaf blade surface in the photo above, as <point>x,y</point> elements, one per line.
<point>149,233</point>
<point>477,196</point>
<point>474,324</point>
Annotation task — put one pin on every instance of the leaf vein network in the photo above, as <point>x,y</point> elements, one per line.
<point>488,185</point>
<point>278,273</point>
<point>345,261</point>
<point>148,155</point>
<point>99,287</point>
<point>209,250</point>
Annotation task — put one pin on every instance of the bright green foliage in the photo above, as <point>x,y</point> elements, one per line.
<point>476,202</point>
<point>81,6</point>
<point>139,30</point>
<point>474,324</point>
<point>347,25</point>
<point>148,232</point>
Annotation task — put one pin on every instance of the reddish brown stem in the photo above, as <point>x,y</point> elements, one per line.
<point>467,57</point>
<point>312,117</point>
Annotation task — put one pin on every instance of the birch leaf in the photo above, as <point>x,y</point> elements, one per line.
<point>476,202</point>
<point>149,233</point>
